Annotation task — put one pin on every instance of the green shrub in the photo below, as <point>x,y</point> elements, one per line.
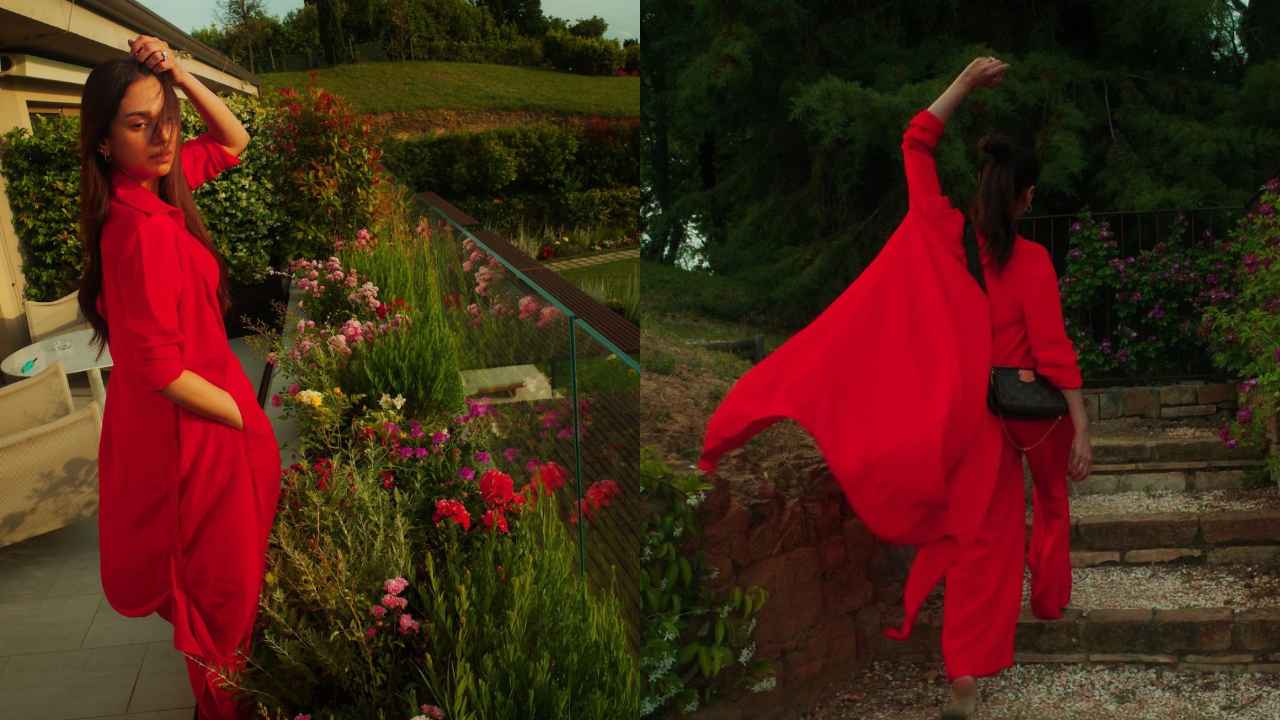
<point>42,174</point>
<point>1155,299</point>
<point>585,56</point>
<point>537,175</point>
<point>325,160</point>
<point>632,62</point>
<point>240,207</point>
<point>1243,326</point>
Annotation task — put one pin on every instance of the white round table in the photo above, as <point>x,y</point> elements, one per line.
<point>73,348</point>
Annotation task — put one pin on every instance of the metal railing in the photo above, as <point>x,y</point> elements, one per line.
<point>587,413</point>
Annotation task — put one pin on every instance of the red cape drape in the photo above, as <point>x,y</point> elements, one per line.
<point>891,382</point>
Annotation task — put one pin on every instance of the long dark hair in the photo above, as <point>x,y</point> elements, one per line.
<point>99,103</point>
<point>1007,171</point>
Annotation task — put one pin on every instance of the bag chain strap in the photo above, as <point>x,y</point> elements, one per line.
<point>1024,449</point>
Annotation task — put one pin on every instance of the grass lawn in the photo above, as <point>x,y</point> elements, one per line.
<point>616,284</point>
<point>618,271</point>
<point>377,87</point>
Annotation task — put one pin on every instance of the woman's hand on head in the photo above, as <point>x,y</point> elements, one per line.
<point>983,72</point>
<point>157,55</point>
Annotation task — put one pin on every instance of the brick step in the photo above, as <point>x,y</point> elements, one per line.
<point>1191,617</point>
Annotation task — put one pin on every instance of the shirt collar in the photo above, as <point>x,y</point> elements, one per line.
<point>130,191</point>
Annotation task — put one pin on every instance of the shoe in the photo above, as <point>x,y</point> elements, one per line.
<point>961,708</point>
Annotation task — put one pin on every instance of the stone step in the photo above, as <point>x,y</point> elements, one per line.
<point>1173,527</point>
<point>1138,449</point>
<point>1192,617</point>
<point>1237,473</point>
<point>1166,530</point>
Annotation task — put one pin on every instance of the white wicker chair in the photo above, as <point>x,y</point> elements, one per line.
<point>56,316</point>
<point>49,453</point>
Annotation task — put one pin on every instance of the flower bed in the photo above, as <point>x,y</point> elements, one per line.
<point>421,563</point>
<point>1245,327</point>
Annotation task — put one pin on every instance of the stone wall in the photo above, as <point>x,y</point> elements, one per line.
<point>1187,399</point>
<point>814,558</point>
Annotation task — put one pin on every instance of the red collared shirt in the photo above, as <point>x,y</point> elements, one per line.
<point>154,269</point>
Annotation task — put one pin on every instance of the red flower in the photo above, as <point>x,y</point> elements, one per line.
<point>497,488</point>
<point>388,479</point>
<point>496,518</point>
<point>551,475</point>
<point>452,510</point>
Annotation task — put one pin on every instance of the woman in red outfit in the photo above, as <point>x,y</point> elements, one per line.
<point>900,415</point>
<point>1027,332</point>
<point>189,467</point>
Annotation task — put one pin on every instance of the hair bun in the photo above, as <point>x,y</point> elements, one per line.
<point>996,145</point>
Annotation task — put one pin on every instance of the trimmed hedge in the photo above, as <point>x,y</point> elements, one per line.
<point>563,175</point>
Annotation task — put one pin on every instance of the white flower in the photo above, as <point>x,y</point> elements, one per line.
<point>309,397</point>
<point>386,401</point>
<point>768,683</point>
<point>745,656</point>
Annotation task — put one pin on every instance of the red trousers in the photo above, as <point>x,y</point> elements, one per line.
<point>983,593</point>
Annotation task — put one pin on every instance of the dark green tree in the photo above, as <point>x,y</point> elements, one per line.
<point>774,126</point>
<point>592,27</point>
<point>525,15</point>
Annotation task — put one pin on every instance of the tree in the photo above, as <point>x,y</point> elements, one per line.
<point>593,27</point>
<point>245,25</point>
<point>329,29</point>
<point>525,15</point>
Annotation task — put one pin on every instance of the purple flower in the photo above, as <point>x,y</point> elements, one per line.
<point>439,438</point>
<point>510,454</point>
<point>406,452</point>
<point>482,457</point>
<point>421,452</point>
<point>467,473</point>
<point>415,429</point>
<point>565,433</point>
<point>532,465</point>
<point>1075,226</point>
<point>1244,415</point>
<point>1232,444</point>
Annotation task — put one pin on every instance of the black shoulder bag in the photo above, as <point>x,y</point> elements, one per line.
<point>1008,394</point>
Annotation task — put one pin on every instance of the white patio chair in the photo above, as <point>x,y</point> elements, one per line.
<point>56,316</point>
<point>48,456</point>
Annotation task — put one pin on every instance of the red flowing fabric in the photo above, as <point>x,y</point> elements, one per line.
<point>186,502</point>
<point>890,381</point>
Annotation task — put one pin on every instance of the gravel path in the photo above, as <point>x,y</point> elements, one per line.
<point>1166,501</point>
<point>1172,586</point>
<point>900,690</point>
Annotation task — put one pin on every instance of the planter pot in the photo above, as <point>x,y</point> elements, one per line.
<point>256,301</point>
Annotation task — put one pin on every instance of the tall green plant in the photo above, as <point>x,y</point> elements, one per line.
<point>526,639</point>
